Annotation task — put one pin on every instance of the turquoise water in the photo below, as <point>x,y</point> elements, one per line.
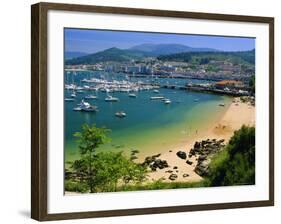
<point>150,126</point>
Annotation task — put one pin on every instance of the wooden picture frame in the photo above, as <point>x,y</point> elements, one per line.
<point>39,109</point>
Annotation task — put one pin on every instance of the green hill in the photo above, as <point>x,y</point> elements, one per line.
<point>205,57</point>
<point>164,49</point>
<point>111,54</point>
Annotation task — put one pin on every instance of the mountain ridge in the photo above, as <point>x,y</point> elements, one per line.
<point>141,51</point>
<point>162,49</point>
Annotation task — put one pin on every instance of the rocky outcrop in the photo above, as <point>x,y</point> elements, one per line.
<point>204,151</point>
<point>153,162</point>
<point>202,167</point>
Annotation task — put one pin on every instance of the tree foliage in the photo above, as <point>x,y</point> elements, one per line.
<point>235,165</point>
<point>205,57</point>
<point>101,171</point>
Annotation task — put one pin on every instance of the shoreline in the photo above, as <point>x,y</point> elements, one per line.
<point>220,129</point>
<point>223,129</point>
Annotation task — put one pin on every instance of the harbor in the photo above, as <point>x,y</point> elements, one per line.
<point>128,105</point>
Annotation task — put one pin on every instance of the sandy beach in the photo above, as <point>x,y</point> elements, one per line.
<point>236,115</point>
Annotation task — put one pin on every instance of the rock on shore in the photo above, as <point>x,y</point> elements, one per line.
<point>203,151</point>
<point>153,162</point>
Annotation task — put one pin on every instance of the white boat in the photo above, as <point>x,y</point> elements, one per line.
<point>70,86</point>
<point>73,95</point>
<point>132,95</point>
<point>90,97</point>
<point>85,106</point>
<point>111,99</point>
<point>167,101</point>
<point>157,97</point>
<point>80,91</point>
<point>68,99</point>
<point>77,109</point>
<point>120,114</point>
<point>222,104</point>
<point>88,107</point>
<point>156,91</point>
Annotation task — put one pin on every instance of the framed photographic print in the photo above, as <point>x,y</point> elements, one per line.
<point>138,111</point>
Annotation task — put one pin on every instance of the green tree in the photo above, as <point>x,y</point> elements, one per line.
<point>113,168</point>
<point>235,165</point>
<point>101,171</point>
<point>89,139</point>
<point>80,168</point>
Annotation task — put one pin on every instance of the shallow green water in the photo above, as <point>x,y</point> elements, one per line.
<point>150,126</point>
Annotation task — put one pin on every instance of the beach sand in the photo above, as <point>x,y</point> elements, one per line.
<point>235,116</point>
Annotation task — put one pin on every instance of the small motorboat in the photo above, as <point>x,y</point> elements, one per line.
<point>68,99</point>
<point>111,99</point>
<point>167,101</point>
<point>132,95</point>
<point>157,97</point>
<point>85,106</point>
<point>120,114</point>
<point>90,97</point>
<point>73,95</point>
<point>156,91</point>
<point>77,108</point>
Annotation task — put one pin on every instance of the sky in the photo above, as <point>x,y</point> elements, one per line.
<point>91,41</point>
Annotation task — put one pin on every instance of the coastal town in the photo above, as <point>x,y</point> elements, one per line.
<point>224,76</point>
<point>205,69</point>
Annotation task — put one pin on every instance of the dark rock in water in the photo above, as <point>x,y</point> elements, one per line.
<point>173,177</point>
<point>189,162</point>
<point>169,171</point>
<point>177,171</point>
<point>181,154</point>
<point>185,175</point>
<point>175,167</point>
<point>170,150</point>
